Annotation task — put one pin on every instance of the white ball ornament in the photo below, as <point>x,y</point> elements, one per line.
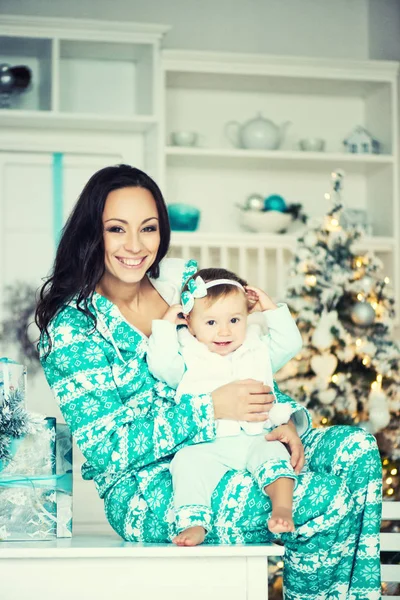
<point>327,396</point>
<point>379,419</point>
<point>377,400</point>
<point>311,239</point>
<point>321,384</point>
<point>367,283</point>
<point>368,348</point>
<point>362,314</point>
<point>348,354</point>
<point>322,337</point>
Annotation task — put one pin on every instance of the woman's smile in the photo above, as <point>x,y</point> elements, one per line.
<point>131,263</point>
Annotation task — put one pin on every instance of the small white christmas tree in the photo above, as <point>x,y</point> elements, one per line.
<point>348,370</point>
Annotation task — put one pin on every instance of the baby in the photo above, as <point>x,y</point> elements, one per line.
<point>218,346</point>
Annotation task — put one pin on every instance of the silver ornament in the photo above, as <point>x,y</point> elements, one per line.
<point>7,78</point>
<point>362,314</point>
<point>254,202</point>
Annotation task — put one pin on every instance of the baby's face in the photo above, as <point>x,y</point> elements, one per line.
<point>221,326</point>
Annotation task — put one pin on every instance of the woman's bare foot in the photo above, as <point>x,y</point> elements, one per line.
<point>281,520</point>
<point>190,537</point>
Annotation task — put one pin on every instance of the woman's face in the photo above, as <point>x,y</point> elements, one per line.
<point>131,233</point>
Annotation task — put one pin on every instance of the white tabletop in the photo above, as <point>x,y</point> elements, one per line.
<point>108,547</point>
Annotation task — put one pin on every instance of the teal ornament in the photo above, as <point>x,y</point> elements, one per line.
<point>275,202</point>
<point>183,217</point>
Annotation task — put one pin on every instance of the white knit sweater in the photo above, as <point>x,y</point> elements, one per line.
<point>186,364</point>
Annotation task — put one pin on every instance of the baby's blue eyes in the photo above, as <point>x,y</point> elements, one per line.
<point>210,322</point>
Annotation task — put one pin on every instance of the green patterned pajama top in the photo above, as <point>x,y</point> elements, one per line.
<point>128,426</point>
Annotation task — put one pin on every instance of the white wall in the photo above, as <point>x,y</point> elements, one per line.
<point>357,29</point>
<point>384,29</point>
<point>331,28</point>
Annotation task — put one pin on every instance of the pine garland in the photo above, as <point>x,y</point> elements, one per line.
<point>15,422</point>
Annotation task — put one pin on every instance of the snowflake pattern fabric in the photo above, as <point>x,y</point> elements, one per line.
<point>128,427</point>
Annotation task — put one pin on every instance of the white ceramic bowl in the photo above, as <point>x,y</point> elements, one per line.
<point>312,144</point>
<point>269,221</point>
<point>184,138</point>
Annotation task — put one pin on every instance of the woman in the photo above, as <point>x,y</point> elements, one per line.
<point>95,312</point>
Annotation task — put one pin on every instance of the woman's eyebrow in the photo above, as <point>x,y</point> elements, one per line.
<point>149,219</point>
<point>115,219</point>
<point>126,222</point>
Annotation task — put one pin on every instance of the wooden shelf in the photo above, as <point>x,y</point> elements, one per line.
<point>194,69</point>
<point>57,120</point>
<point>217,157</point>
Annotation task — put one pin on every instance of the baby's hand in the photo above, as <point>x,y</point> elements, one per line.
<point>175,315</point>
<point>258,300</point>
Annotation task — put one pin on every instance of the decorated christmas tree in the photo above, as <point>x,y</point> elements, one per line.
<point>348,371</point>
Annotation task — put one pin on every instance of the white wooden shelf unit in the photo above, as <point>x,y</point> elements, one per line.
<point>95,80</point>
<point>93,70</point>
<point>321,98</point>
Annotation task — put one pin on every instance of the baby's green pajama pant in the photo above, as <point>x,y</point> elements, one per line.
<point>197,470</point>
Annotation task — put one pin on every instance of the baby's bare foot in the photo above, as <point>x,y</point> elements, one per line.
<point>281,520</point>
<point>190,537</point>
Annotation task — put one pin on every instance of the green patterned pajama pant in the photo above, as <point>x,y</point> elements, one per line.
<point>334,552</point>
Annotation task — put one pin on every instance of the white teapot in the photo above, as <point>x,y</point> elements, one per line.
<point>256,134</point>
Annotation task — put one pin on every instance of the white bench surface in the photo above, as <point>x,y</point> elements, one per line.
<point>108,547</point>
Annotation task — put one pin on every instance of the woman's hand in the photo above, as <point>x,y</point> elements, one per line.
<point>258,300</point>
<point>246,400</point>
<point>287,434</point>
<point>175,315</point>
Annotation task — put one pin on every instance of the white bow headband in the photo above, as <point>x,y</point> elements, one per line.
<point>197,288</point>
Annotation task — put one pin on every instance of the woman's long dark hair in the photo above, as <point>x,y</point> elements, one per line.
<point>79,262</point>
